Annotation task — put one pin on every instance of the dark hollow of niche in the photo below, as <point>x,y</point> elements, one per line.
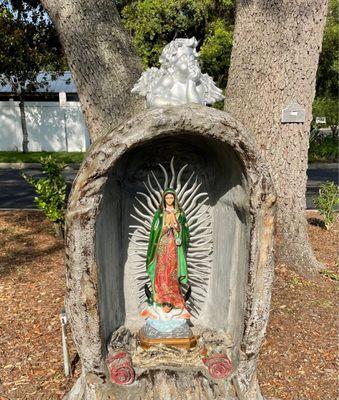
<point>224,179</point>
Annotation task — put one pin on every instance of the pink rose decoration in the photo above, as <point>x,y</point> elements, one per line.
<point>219,366</point>
<point>120,368</point>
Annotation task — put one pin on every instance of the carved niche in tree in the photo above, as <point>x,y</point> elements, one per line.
<point>230,280</point>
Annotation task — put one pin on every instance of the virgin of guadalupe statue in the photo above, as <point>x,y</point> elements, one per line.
<point>166,235</point>
<point>166,255</point>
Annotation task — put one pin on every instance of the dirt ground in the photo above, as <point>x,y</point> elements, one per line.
<point>297,361</point>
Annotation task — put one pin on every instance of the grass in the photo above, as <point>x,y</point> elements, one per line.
<point>34,156</point>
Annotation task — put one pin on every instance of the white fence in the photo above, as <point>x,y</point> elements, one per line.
<point>50,127</point>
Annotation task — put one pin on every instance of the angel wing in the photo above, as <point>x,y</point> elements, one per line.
<point>146,81</point>
<point>195,205</point>
<point>209,91</point>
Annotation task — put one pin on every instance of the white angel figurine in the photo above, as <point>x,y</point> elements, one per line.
<point>179,79</point>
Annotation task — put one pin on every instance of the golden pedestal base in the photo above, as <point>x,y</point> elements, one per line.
<point>181,343</point>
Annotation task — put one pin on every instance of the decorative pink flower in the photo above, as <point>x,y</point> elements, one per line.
<point>120,368</point>
<point>219,366</point>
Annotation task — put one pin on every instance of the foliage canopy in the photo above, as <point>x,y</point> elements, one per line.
<point>328,71</point>
<point>28,45</point>
<point>154,23</point>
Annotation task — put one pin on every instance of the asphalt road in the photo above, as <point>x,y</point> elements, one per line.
<point>16,193</point>
<point>319,173</point>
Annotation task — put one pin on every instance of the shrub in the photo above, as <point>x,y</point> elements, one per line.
<point>51,191</point>
<point>328,108</point>
<point>327,201</point>
<point>322,148</point>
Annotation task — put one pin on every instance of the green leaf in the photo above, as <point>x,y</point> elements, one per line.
<point>327,202</point>
<point>51,190</point>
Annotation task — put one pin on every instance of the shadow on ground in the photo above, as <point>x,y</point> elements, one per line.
<point>24,241</point>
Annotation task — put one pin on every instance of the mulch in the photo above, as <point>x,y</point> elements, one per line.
<point>31,297</point>
<point>297,360</point>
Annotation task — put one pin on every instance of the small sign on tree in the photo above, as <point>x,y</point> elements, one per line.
<point>293,113</point>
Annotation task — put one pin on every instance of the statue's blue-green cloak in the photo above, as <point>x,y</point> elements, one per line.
<point>156,229</point>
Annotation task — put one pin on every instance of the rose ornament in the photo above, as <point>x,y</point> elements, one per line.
<point>219,366</point>
<point>120,368</point>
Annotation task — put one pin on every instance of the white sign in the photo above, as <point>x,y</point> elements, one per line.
<point>293,114</point>
<point>320,120</point>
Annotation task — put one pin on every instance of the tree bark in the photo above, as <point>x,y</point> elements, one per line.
<point>274,62</point>
<point>23,125</point>
<point>102,60</point>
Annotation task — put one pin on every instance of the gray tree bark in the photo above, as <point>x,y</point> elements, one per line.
<point>23,125</point>
<point>102,60</point>
<point>274,62</point>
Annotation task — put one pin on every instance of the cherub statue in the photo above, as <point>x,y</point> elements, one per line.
<point>179,79</point>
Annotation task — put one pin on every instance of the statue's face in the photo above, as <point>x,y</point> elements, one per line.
<point>169,199</point>
<point>182,54</point>
<point>185,51</point>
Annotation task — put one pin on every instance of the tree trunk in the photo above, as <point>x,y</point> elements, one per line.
<point>102,60</point>
<point>23,125</point>
<point>274,63</point>
<point>101,294</point>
